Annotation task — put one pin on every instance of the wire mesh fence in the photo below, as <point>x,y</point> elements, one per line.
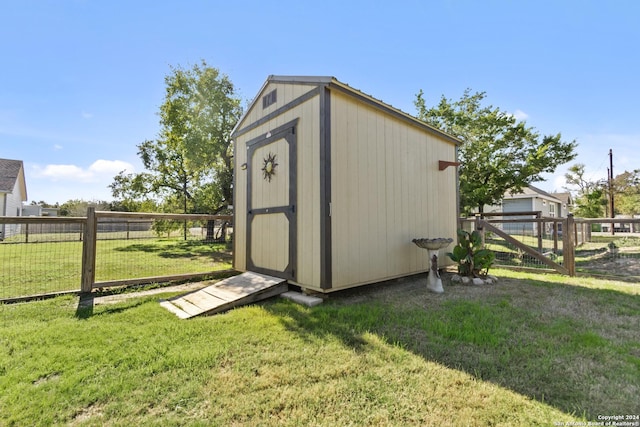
<point>541,243</point>
<point>161,247</point>
<point>614,252</point>
<point>40,256</point>
<point>529,242</point>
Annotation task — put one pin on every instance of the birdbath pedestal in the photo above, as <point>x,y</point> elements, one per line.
<point>434,282</point>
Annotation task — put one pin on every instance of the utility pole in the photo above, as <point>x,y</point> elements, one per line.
<point>611,211</point>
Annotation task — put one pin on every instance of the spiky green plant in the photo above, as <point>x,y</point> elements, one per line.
<point>473,260</point>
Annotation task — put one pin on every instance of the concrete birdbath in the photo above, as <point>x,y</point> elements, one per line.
<point>434,282</point>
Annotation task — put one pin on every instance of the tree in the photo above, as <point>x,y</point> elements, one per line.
<point>190,163</point>
<point>498,153</point>
<point>590,199</point>
<point>44,204</point>
<point>627,192</point>
<point>78,207</point>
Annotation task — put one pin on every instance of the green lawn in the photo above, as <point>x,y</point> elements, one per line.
<point>532,350</point>
<point>37,268</point>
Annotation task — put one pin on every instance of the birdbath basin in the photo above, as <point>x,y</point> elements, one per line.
<point>433,244</point>
<point>434,282</point>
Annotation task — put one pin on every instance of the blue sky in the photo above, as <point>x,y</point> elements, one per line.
<point>82,80</point>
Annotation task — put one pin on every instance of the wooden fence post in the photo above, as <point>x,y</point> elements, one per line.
<point>568,245</point>
<point>89,251</point>
<point>479,228</point>
<point>540,226</point>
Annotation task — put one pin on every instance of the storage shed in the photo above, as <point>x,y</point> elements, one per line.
<point>331,186</point>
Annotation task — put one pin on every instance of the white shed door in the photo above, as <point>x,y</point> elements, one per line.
<point>271,202</point>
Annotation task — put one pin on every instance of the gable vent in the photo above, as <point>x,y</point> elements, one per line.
<point>269,99</point>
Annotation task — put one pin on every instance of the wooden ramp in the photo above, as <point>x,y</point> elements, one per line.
<point>228,293</point>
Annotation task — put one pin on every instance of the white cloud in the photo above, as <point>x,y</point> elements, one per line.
<point>86,115</point>
<point>61,172</point>
<point>520,115</point>
<point>110,167</point>
<point>57,147</point>
<point>97,171</point>
<point>559,183</point>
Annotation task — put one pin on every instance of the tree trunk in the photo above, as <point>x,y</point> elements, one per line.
<point>184,209</point>
<point>210,231</point>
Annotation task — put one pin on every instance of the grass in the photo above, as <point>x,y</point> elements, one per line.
<point>121,259</point>
<point>532,350</point>
<point>36,268</point>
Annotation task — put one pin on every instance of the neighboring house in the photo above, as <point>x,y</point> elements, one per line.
<point>37,210</point>
<point>532,199</point>
<point>13,192</point>
<point>567,203</point>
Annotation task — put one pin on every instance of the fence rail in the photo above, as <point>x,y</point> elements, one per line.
<point>51,255</point>
<point>567,245</point>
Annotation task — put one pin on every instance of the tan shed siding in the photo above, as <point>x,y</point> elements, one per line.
<point>240,204</point>
<point>386,190</point>
<point>308,203</point>
<point>285,93</point>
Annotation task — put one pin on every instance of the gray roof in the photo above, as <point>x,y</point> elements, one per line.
<point>543,193</point>
<point>333,83</point>
<point>565,197</point>
<point>9,172</point>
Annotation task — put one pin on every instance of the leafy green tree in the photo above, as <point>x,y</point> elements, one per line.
<point>590,199</point>
<point>627,192</point>
<point>78,207</point>
<point>44,204</point>
<point>130,205</point>
<point>498,152</point>
<point>190,162</point>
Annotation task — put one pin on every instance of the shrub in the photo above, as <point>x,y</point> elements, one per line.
<point>472,259</point>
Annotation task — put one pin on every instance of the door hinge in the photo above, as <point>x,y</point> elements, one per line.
<point>293,208</point>
<point>329,208</point>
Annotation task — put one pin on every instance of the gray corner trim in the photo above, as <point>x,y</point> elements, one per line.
<point>289,133</point>
<point>395,113</point>
<point>235,205</point>
<point>457,186</point>
<point>299,100</point>
<point>326,279</point>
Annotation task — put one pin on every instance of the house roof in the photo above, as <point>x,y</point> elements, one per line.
<point>333,83</point>
<point>10,172</point>
<point>530,191</point>
<point>541,192</point>
<point>565,197</point>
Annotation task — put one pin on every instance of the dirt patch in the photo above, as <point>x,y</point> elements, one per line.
<point>622,264</point>
<point>90,413</point>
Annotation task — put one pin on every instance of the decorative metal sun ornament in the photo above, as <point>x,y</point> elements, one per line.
<point>269,168</point>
